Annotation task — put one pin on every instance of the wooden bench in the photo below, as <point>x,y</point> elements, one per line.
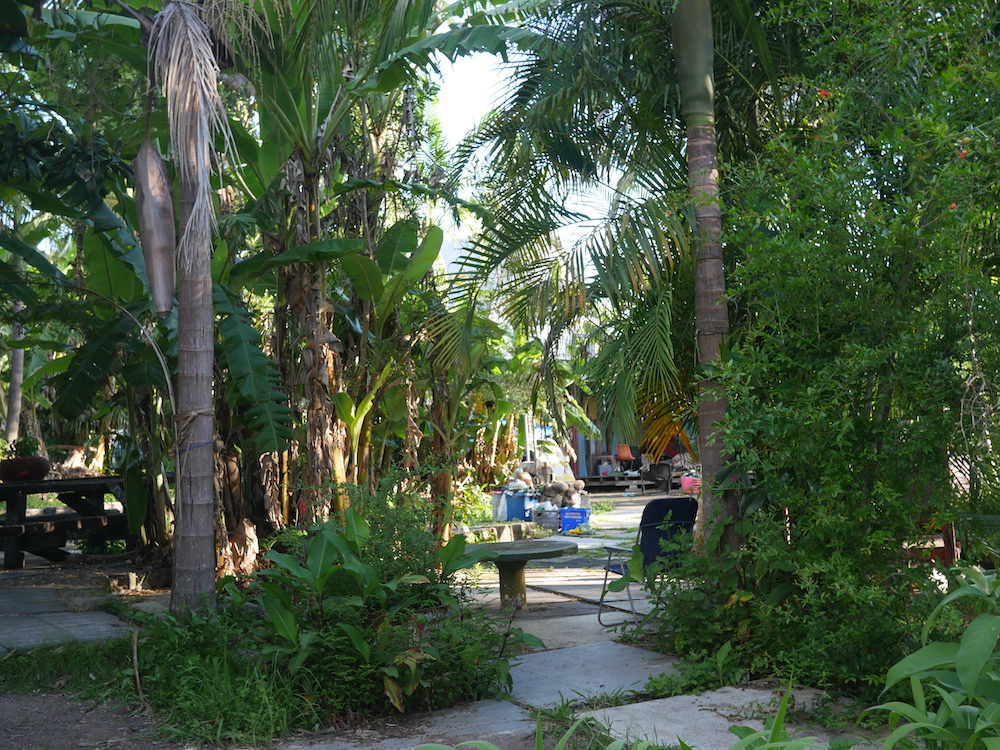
<point>45,535</point>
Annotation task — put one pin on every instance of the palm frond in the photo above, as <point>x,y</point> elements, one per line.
<point>186,68</point>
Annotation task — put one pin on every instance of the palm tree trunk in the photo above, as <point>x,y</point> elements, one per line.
<point>442,450</point>
<point>318,373</point>
<point>188,73</point>
<point>194,534</point>
<point>695,57</point>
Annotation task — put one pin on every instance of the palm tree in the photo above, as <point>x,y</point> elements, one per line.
<point>336,96</point>
<point>604,108</point>
<point>186,69</point>
<point>694,56</point>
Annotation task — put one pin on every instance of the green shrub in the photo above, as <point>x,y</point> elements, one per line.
<point>954,686</point>
<point>836,621</point>
<point>473,505</point>
<point>314,641</point>
<point>400,641</point>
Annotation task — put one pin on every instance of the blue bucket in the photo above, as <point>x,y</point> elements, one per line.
<point>515,506</point>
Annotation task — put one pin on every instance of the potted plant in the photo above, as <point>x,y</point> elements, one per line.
<point>21,462</point>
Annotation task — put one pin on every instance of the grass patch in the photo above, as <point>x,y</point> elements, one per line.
<point>601,507</point>
<point>47,500</point>
<point>94,670</point>
<point>220,681</point>
<point>560,727</point>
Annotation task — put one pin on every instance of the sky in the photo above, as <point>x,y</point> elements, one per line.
<point>469,88</point>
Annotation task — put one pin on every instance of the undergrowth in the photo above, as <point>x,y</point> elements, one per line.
<point>345,623</point>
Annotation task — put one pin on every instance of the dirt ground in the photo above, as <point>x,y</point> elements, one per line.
<point>61,722</point>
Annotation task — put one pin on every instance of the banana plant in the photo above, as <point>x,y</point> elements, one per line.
<point>354,416</point>
<point>401,260</point>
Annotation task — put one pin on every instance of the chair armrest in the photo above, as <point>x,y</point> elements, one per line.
<point>617,557</point>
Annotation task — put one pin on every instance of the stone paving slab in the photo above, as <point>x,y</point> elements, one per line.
<point>566,608</point>
<point>29,601</point>
<point>497,721</point>
<point>590,592</point>
<point>571,674</point>
<point>704,721</point>
<point>488,597</point>
<point>28,631</point>
<point>33,616</point>
<point>566,631</point>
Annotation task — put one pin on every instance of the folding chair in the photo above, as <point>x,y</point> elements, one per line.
<point>662,519</point>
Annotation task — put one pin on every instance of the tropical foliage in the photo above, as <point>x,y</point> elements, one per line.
<point>797,229</point>
<point>861,237</point>
<point>317,259</point>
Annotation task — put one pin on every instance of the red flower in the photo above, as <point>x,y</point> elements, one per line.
<point>953,206</point>
<point>962,154</point>
<point>824,93</point>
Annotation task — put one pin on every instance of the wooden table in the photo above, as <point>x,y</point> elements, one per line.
<point>85,496</point>
<point>511,559</point>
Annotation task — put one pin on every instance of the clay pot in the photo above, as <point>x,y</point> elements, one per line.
<point>24,469</point>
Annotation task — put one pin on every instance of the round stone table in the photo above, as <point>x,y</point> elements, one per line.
<point>511,557</point>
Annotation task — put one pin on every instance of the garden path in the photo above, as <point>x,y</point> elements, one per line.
<point>581,670</point>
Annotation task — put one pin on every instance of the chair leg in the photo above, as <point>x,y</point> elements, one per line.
<point>601,606</point>
<point>600,602</point>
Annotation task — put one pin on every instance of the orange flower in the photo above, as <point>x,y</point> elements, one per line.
<point>824,93</point>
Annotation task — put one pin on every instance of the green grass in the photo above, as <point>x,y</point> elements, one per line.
<point>601,507</point>
<point>47,500</point>
<point>97,670</point>
<point>561,727</point>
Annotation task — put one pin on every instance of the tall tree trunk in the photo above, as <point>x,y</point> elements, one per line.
<point>442,452</point>
<point>694,55</point>
<point>188,72</point>
<point>12,414</point>
<point>318,373</point>
<point>194,531</point>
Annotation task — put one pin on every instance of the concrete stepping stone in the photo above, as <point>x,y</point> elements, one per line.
<point>30,601</point>
<point>566,631</point>
<point>497,721</point>
<point>29,631</point>
<point>572,674</point>
<point>704,721</point>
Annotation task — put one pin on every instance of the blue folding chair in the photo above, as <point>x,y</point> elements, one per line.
<point>662,519</point>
